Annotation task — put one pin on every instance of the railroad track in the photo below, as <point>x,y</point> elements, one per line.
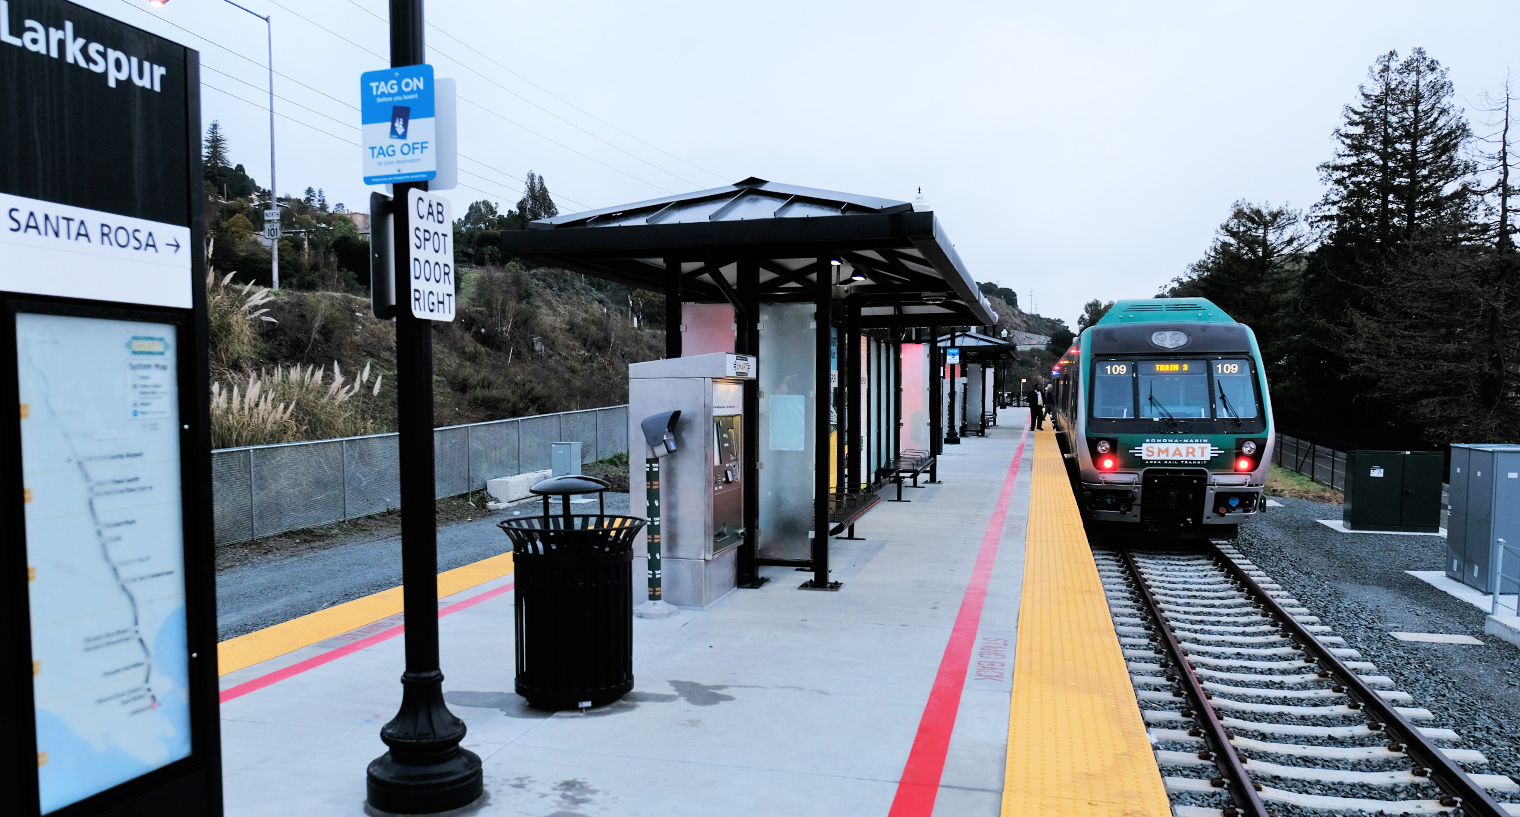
<point>1251,702</point>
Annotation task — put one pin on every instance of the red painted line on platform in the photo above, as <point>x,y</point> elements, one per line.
<point>330,656</point>
<point>919,785</point>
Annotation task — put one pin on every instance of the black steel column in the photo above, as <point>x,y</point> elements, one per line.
<point>850,450</point>
<point>748,343</point>
<point>936,400</point>
<point>425,770</point>
<point>672,308</point>
<point>823,390</point>
<point>897,398</point>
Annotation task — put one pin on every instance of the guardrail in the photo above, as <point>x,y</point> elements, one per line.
<point>1501,550</point>
<point>1326,466</point>
<point>264,490</point>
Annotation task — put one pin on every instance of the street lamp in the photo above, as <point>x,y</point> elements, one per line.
<point>274,244</point>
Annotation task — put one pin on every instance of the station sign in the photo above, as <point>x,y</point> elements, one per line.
<point>108,686</point>
<point>398,133</point>
<point>430,255</point>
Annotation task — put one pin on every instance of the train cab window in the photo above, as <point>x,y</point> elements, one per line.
<point>1234,394</point>
<point>1174,389</point>
<point>1113,389</point>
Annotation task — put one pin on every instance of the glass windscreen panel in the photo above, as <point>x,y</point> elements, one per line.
<point>1234,393</point>
<point>1114,390</point>
<point>1176,389</point>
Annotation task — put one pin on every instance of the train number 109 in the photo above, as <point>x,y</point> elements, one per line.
<point>1116,368</point>
<point>1226,368</point>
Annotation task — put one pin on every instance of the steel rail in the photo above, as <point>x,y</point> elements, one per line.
<point>1443,771</point>
<point>1232,771</point>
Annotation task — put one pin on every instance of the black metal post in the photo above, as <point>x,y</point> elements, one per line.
<point>672,308</point>
<point>936,397</point>
<point>748,343</point>
<point>897,398</point>
<point>822,321</point>
<point>851,438</point>
<point>425,771</point>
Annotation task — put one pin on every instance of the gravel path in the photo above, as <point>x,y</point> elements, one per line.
<point>266,592</point>
<point>1356,584</point>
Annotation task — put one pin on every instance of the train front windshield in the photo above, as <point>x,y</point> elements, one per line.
<point>1174,389</point>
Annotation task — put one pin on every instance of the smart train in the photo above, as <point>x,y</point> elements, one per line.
<point>1164,418</point>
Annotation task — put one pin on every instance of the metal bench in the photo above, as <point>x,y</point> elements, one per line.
<point>909,464</point>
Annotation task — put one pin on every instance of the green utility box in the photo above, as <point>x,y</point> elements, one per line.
<point>1393,491</point>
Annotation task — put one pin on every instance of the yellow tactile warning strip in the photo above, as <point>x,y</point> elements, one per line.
<point>1076,741</point>
<point>271,642</point>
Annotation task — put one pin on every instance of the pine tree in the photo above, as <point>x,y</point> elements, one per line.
<point>536,203</point>
<point>310,197</point>
<point>216,147</point>
<point>1400,173</point>
<point>321,200</point>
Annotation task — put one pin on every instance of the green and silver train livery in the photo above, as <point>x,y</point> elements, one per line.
<point>1162,412</point>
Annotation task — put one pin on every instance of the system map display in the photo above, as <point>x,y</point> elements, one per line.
<point>100,439</point>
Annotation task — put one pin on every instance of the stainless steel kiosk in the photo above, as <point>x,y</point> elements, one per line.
<point>702,482</point>
<point>108,685</point>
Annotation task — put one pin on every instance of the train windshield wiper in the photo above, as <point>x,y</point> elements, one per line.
<point>1225,401</point>
<point>1157,404</point>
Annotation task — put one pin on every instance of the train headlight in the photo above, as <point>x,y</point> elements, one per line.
<point>1248,447</point>
<point>1244,464</point>
<point>1107,463</point>
<point>1104,447</point>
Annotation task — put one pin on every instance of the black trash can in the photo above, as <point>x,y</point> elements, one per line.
<point>574,590</point>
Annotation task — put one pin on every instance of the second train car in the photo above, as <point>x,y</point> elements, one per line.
<point>1164,417</point>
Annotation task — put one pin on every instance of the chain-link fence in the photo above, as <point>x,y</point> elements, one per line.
<point>1321,464</point>
<point>270,489</point>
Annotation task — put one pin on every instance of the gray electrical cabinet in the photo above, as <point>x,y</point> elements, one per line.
<point>1485,508</point>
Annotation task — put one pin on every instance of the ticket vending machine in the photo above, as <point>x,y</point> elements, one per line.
<point>108,685</point>
<point>702,482</point>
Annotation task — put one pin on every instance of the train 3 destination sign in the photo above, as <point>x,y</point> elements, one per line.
<point>108,693</point>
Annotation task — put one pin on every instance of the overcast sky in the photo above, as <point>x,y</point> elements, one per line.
<point>1076,150</point>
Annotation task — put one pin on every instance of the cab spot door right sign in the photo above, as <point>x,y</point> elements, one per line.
<point>430,262</point>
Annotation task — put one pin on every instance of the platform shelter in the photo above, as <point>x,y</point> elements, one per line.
<point>971,402</point>
<point>754,268</point>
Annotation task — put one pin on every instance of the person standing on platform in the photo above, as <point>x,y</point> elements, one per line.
<point>1036,409</point>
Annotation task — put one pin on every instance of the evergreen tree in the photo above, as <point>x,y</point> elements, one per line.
<point>321,200</point>
<point>1092,312</point>
<point>1400,173</point>
<point>1251,268</point>
<point>536,203</point>
<point>309,197</point>
<point>215,155</point>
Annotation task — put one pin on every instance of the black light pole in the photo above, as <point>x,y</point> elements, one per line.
<point>425,771</point>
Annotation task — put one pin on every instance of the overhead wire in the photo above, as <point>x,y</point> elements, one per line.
<point>514,93</point>
<point>356,144</point>
<point>572,105</point>
<point>313,110</point>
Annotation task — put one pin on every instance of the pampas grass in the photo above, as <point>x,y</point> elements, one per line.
<point>290,404</point>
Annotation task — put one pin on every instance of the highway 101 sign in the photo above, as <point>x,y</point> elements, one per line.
<point>430,256</point>
<point>396,110</point>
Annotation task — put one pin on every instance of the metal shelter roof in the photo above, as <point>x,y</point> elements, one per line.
<point>899,265</point>
<point>978,346</point>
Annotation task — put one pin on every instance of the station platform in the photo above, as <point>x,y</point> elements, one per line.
<point>963,669</point>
